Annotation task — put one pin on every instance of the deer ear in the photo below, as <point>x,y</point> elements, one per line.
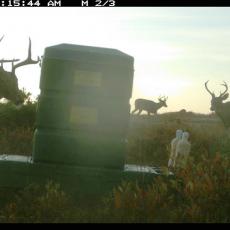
<point>225,96</point>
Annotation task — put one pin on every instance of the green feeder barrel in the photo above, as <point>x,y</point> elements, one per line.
<point>83,108</point>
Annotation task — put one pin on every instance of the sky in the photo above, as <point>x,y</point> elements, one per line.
<point>175,49</point>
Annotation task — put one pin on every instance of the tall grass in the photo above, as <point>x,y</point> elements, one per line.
<point>149,143</point>
<point>16,128</point>
<point>17,141</point>
<point>37,204</point>
<point>198,193</point>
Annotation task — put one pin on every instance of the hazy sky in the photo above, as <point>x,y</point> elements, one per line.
<point>176,49</point>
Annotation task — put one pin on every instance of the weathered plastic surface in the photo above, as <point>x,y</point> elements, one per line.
<point>94,79</point>
<point>86,184</point>
<point>82,149</point>
<point>83,109</point>
<point>82,112</point>
<point>87,70</point>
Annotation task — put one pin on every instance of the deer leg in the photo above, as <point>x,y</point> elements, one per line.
<point>140,110</point>
<point>134,111</point>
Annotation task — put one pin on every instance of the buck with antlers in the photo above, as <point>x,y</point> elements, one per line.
<point>149,106</point>
<point>221,109</point>
<point>9,81</point>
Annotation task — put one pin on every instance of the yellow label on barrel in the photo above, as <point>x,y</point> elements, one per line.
<point>83,115</point>
<point>87,78</point>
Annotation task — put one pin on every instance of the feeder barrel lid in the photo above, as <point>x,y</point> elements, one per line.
<point>75,52</point>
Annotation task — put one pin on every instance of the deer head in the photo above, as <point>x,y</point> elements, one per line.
<point>9,81</point>
<point>217,101</point>
<point>162,101</point>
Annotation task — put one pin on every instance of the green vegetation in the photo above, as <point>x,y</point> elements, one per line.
<point>198,193</point>
<point>17,126</point>
<point>36,204</point>
<point>149,141</point>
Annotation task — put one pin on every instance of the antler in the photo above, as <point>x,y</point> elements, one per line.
<point>27,61</point>
<point>206,87</point>
<point>226,89</point>
<point>1,38</point>
<point>10,60</point>
<point>163,98</point>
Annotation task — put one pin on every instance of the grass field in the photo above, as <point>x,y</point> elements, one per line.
<point>199,193</point>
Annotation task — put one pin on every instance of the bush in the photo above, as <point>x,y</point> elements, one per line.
<point>38,204</point>
<point>198,193</point>
<point>151,144</point>
<point>17,141</point>
<point>12,116</point>
<point>17,126</point>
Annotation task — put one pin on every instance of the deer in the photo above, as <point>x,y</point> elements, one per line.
<point>222,109</point>
<point>9,81</point>
<point>149,106</point>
